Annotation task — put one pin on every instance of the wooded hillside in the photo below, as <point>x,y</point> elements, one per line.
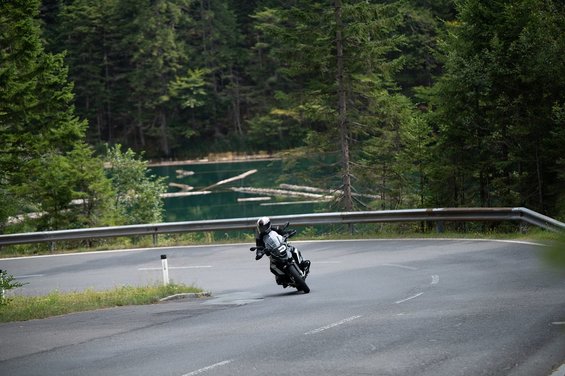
<point>426,103</point>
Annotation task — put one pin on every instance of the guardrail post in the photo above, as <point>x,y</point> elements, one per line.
<point>154,239</point>
<point>523,227</point>
<point>52,247</point>
<point>439,227</point>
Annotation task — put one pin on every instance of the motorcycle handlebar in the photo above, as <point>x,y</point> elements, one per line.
<point>291,233</point>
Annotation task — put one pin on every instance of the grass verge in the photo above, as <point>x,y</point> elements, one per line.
<point>22,308</point>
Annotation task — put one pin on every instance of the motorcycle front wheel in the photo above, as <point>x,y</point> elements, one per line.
<point>298,280</point>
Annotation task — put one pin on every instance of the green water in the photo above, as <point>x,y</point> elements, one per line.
<point>223,202</point>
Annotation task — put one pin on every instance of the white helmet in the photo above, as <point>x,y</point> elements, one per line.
<point>263,225</point>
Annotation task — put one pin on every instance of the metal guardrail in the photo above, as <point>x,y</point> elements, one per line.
<point>409,215</point>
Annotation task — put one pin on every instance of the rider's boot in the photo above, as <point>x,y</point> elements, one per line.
<point>305,266</point>
<point>280,281</point>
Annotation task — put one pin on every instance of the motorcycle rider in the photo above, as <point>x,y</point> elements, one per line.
<point>263,228</point>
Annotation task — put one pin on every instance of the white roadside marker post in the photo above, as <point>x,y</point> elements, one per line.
<point>165,270</point>
<point>2,291</point>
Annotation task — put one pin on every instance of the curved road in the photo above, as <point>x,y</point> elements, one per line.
<point>377,307</point>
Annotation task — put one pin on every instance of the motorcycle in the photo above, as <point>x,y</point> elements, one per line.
<point>283,263</point>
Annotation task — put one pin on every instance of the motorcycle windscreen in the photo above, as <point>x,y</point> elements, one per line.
<point>273,240</point>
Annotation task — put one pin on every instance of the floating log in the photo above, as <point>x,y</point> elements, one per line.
<point>183,187</point>
<point>292,187</point>
<point>184,194</point>
<point>235,178</point>
<point>295,202</point>
<point>262,198</point>
<point>334,192</point>
<point>183,173</point>
<point>280,192</point>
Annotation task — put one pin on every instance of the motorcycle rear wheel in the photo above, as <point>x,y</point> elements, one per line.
<point>298,280</point>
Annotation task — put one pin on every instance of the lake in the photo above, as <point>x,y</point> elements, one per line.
<point>239,189</point>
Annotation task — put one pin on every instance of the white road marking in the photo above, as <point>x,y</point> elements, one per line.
<point>180,267</point>
<point>559,371</point>
<point>202,370</point>
<point>328,262</point>
<point>426,240</point>
<point>28,276</point>
<point>400,266</point>
<point>558,323</point>
<point>344,321</point>
<point>409,298</point>
<point>435,279</point>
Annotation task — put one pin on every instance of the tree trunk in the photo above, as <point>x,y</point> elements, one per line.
<point>236,102</point>
<point>140,129</point>
<point>108,107</point>
<point>539,179</point>
<point>342,108</point>
<point>164,134</point>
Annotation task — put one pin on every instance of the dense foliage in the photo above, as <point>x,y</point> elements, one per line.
<point>45,164</point>
<point>137,194</point>
<point>425,103</point>
<point>498,108</point>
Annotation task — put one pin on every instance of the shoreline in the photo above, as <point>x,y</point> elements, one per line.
<point>220,158</point>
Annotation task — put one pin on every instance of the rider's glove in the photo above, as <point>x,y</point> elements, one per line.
<point>259,254</point>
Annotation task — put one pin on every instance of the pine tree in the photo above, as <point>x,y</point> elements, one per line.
<point>422,25</point>
<point>39,133</point>
<point>88,34</point>
<point>129,60</point>
<point>337,62</point>
<point>495,105</point>
<point>216,46</point>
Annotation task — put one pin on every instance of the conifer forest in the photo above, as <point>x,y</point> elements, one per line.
<point>425,103</point>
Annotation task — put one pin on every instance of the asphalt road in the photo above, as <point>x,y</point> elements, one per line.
<point>389,307</point>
